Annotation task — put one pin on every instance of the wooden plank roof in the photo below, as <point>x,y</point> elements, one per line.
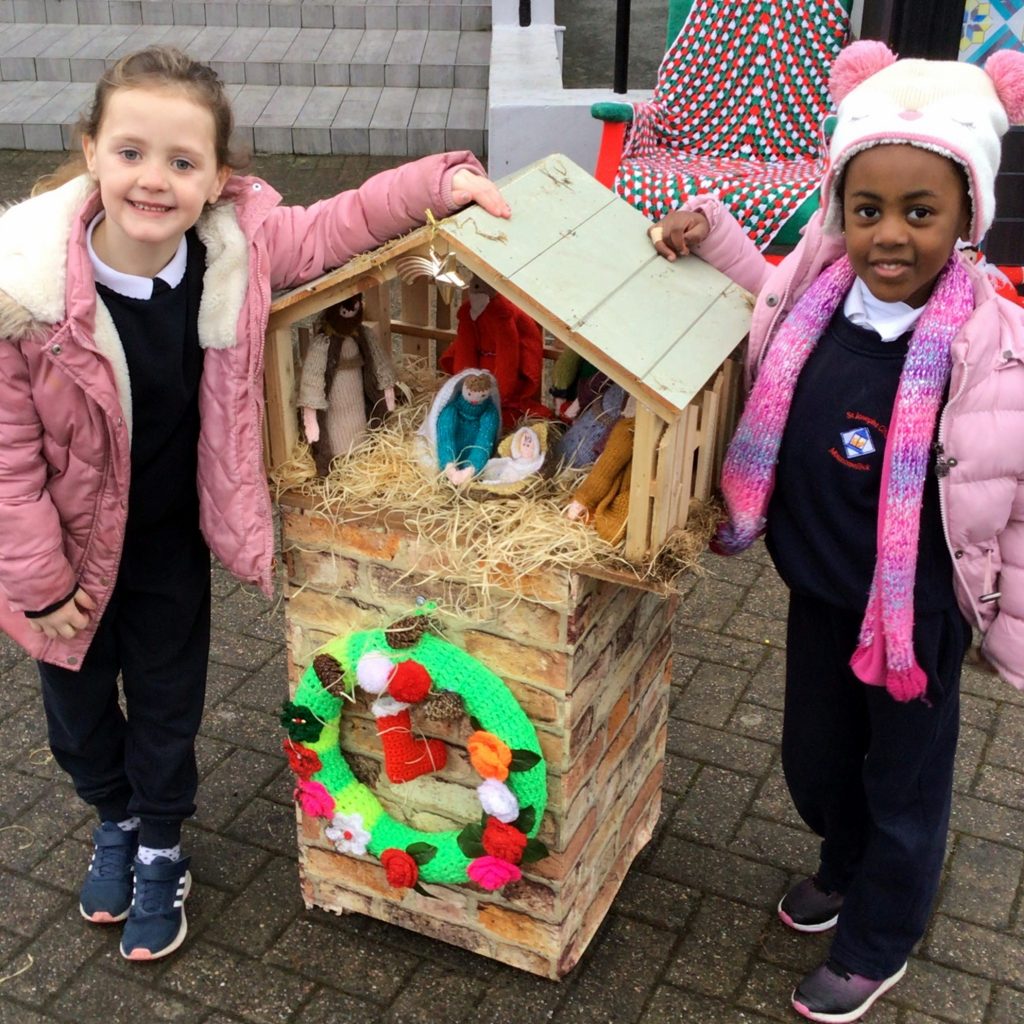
<point>576,257</point>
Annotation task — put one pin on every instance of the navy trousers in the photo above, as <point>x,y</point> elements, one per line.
<point>872,776</point>
<point>156,633</point>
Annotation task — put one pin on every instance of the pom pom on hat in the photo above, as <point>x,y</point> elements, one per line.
<point>952,108</point>
<point>856,63</point>
<point>1006,69</point>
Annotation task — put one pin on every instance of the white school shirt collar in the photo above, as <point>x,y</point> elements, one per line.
<point>132,285</point>
<point>891,320</point>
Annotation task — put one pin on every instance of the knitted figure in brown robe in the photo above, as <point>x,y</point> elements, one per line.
<point>345,374</point>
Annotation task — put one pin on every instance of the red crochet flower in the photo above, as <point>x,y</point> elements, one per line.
<point>503,841</point>
<point>401,869</point>
<point>303,761</point>
<point>410,682</point>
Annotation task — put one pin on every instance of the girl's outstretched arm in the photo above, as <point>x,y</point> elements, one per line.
<point>305,242</point>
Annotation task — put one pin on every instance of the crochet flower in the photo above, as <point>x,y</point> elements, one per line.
<point>498,800</point>
<point>401,869</point>
<point>489,755</point>
<point>503,841</point>
<point>347,833</point>
<point>492,873</point>
<point>373,672</point>
<point>410,683</point>
<point>302,761</point>
<point>302,725</point>
<point>314,799</point>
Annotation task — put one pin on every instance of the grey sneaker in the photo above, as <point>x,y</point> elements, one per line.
<point>810,907</point>
<point>834,995</point>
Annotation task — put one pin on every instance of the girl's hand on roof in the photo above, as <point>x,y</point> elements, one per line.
<point>469,187</point>
<point>678,233</point>
<point>68,619</point>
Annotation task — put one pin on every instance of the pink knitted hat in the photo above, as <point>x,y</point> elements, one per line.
<point>952,108</point>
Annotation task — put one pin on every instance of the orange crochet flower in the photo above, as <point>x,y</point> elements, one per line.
<point>488,755</point>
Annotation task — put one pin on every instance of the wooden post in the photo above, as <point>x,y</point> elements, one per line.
<point>282,425</point>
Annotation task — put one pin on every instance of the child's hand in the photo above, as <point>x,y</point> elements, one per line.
<point>68,619</point>
<point>468,187</point>
<point>678,233</point>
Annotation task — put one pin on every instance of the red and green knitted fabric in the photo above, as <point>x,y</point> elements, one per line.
<point>737,112</point>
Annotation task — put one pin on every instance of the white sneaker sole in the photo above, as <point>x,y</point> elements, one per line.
<point>808,929</point>
<point>852,1015</point>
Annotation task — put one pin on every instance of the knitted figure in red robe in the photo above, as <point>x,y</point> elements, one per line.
<point>495,335</point>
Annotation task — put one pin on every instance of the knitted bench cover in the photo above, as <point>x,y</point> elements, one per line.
<point>737,112</point>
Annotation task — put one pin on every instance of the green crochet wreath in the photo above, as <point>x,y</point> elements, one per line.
<point>403,665</point>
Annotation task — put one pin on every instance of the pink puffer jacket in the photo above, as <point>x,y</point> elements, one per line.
<point>65,397</point>
<point>981,428</point>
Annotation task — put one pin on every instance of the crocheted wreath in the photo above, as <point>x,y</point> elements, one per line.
<point>404,665</point>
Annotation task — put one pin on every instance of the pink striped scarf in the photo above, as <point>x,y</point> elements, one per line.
<point>885,650</point>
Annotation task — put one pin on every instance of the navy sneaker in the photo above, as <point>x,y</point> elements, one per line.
<point>156,923</point>
<point>106,892</point>
<point>810,907</point>
<point>834,995</point>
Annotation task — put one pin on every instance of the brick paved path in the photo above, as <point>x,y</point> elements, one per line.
<point>692,937</point>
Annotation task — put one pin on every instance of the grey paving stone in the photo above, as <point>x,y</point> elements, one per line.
<point>713,807</point>
<point>757,722</point>
<point>943,993</point>
<point>711,695</point>
<point>977,950</point>
<point>792,849</point>
<point>269,824</point>
<point>720,748</point>
<point>230,786</point>
<point>713,954</point>
<point>718,872</point>
<point>1000,786</point>
<point>328,1006</point>
<point>30,907</point>
<point>221,862</point>
<point>673,1006</point>
<point>982,879</point>
<point>96,996</point>
<point>712,647</point>
<point>257,991</point>
<point>359,966</point>
<point>657,901</point>
<point>245,726</point>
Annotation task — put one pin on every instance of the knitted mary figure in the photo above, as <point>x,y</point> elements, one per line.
<point>462,426</point>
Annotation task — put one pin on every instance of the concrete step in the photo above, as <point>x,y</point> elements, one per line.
<point>407,58</point>
<point>379,91</point>
<point>443,15</point>
<point>378,120</point>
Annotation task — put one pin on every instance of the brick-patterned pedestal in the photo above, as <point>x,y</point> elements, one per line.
<point>589,662</point>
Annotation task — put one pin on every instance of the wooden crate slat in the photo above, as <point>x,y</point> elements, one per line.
<point>416,310</point>
<point>646,435</point>
<point>282,423</point>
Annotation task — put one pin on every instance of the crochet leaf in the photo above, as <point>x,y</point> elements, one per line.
<point>471,841</point>
<point>523,760</point>
<point>527,818</point>
<point>422,853</point>
<point>534,850</point>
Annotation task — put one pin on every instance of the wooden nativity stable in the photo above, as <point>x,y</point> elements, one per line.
<point>586,654</point>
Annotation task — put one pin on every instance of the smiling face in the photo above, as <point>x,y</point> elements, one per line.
<point>155,160</point>
<point>903,210</point>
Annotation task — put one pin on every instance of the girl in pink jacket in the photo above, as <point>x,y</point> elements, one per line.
<point>880,452</point>
<point>133,304</point>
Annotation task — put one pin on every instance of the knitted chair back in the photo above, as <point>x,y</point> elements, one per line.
<point>737,111</point>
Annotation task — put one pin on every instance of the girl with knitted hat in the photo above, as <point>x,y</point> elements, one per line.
<point>880,453</point>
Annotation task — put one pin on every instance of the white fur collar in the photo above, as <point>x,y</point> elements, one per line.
<point>34,239</point>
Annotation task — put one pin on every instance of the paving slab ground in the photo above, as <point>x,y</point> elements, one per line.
<point>692,936</point>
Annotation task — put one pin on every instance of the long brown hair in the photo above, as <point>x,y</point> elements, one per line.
<point>155,67</point>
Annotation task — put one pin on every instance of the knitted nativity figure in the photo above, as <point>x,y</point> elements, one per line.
<point>462,426</point>
<point>573,383</point>
<point>582,443</point>
<point>495,335</point>
<point>603,497</point>
<point>345,375</point>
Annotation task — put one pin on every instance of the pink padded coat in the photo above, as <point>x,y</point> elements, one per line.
<point>981,428</point>
<point>65,396</point>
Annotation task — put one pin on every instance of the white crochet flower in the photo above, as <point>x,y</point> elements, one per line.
<point>498,800</point>
<point>347,833</point>
<point>373,671</point>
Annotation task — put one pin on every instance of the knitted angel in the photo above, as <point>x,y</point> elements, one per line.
<point>346,373</point>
